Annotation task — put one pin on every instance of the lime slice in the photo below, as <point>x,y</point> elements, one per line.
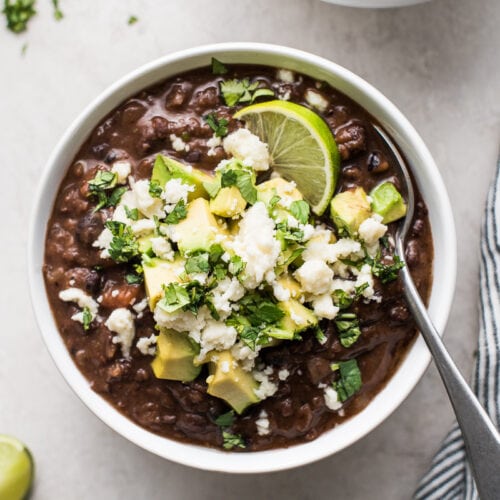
<point>301,146</point>
<point>16,469</point>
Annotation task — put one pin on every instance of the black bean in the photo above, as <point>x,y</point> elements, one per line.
<point>89,227</point>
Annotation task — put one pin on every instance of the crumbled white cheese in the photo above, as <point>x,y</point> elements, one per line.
<point>143,226</point>
<point>216,336</point>
<point>183,321</point>
<point>285,75</point>
<point>115,293</point>
<point>128,199</point>
<point>346,286</point>
<point>248,148</point>
<point>121,322</point>
<point>324,308</point>
<point>122,170</point>
<point>225,367</point>
<point>364,275</point>
<point>266,387</point>
<point>178,144</point>
<point>255,243</point>
<point>146,204</point>
<point>120,215</point>
<point>80,298</point>
<point>315,276</point>
<point>316,100</point>
<point>103,242</point>
<point>71,282</point>
<point>372,229</point>
<point>331,398</point>
<point>262,424</point>
<point>280,292</point>
<point>147,345</point>
<point>283,374</point>
<point>345,247</point>
<point>140,306</point>
<point>175,190</point>
<point>227,291</point>
<point>245,355</point>
<point>162,248</point>
<point>212,144</point>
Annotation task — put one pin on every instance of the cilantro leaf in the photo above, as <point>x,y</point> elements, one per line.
<point>288,234</point>
<point>219,126</point>
<point>132,213</point>
<point>177,214</point>
<point>250,336</point>
<point>134,279</point>
<point>218,68</point>
<point>155,189</point>
<point>320,335</point>
<point>236,265</point>
<point>197,263</point>
<point>212,188</point>
<point>86,318</point>
<point>226,419</point>
<point>175,297</point>
<point>123,246</point>
<point>348,328</point>
<point>58,15</point>
<point>386,272</point>
<point>342,299</point>
<point>262,93</point>
<point>229,178</point>
<point>103,181</point>
<point>242,91</point>
<point>350,379</point>
<point>215,253</point>
<point>115,196</point>
<point>300,210</point>
<point>18,13</point>
<point>243,180</point>
<point>231,441</point>
<point>132,20</point>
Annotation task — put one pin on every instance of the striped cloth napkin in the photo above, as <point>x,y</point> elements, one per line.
<point>449,476</point>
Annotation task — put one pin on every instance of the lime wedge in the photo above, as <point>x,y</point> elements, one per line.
<point>16,469</point>
<point>301,146</point>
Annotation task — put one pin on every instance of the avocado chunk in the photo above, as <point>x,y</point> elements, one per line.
<point>228,202</point>
<point>166,168</point>
<point>174,358</point>
<point>349,209</point>
<point>388,202</point>
<point>293,286</point>
<point>279,187</point>
<point>228,381</point>
<point>159,272</point>
<point>199,230</point>
<point>297,318</point>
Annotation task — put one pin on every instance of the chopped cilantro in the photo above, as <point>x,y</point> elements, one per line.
<point>320,335</point>
<point>177,214</point>
<point>100,184</point>
<point>218,68</point>
<point>232,441</point>
<point>386,272</point>
<point>295,254</point>
<point>197,263</point>
<point>215,253</point>
<point>348,328</point>
<point>123,246</point>
<point>243,180</point>
<point>342,299</point>
<point>384,241</point>
<point>134,279</point>
<point>251,335</point>
<point>175,297</point>
<point>350,379</point>
<point>132,213</point>
<point>242,91</point>
<point>58,15</point>
<point>273,202</point>
<point>289,234</point>
<point>155,189</point>
<point>18,13</point>
<point>219,126</point>
<point>132,20</point>
<point>212,188</point>
<point>86,318</point>
<point>115,196</point>
<point>226,419</point>
<point>104,179</point>
<point>300,210</point>
<point>197,296</point>
<point>260,310</point>
<point>236,265</point>
<point>229,178</point>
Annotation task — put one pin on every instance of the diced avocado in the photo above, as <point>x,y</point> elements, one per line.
<point>198,230</point>
<point>166,168</point>
<point>228,381</point>
<point>175,353</point>
<point>388,202</point>
<point>277,186</point>
<point>158,272</point>
<point>144,243</point>
<point>349,209</point>
<point>297,318</point>
<point>228,202</point>
<point>293,286</point>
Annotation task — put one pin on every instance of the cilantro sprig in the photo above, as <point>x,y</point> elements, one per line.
<point>386,272</point>
<point>300,210</point>
<point>242,91</point>
<point>102,188</point>
<point>243,180</point>
<point>231,441</point>
<point>18,13</point>
<point>123,246</point>
<point>348,328</point>
<point>349,381</point>
<point>177,214</point>
<point>218,125</point>
<point>86,318</point>
<point>218,68</point>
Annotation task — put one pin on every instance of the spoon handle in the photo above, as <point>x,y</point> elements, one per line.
<point>481,439</point>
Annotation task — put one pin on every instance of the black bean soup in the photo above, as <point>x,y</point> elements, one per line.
<point>137,131</point>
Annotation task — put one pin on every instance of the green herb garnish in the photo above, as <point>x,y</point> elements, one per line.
<point>236,265</point>
<point>123,246</point>
<point>386,272</point>
<point>226,419</point>
<point>18,13</point>
<point>232,441</point>
<point>155,190</point>
<point>350,379</point>
<point>197,263</point>
<point>177,214</point>
<point>86,318</point>
<point>348,329</point>
<point>218,68</point>
<point>218,125</point>
<point>99,186</point>
<point>242,91</point>
<point>300,210</point>
<point>132,20</point>
<point>58,15</point>
<point>320,335</point>
<point>132,213</point>
<point>175,297</point>
<point>243,180</point>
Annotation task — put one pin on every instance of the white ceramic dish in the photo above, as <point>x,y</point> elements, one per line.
<point>376,4</point>
<point>427,177</point>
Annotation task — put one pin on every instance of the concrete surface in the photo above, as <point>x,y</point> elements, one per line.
<point>439,62</point>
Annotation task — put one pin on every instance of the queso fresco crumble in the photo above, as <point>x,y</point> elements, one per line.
<point>196,287</point>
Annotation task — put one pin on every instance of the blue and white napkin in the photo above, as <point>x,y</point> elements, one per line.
<point>450,477</point>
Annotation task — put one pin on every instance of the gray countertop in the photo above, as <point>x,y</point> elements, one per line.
<point>439,62</point>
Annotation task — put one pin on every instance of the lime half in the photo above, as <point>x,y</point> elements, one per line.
<point>301,146</point>
<point>16,469</point>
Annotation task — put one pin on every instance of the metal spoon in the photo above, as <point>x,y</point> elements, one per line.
<point>482,440</point>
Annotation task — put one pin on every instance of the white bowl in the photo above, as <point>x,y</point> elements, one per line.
<point>427,177</point>
<point>376,4</point>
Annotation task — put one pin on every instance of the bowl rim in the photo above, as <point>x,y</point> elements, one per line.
<point>330,442</point>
